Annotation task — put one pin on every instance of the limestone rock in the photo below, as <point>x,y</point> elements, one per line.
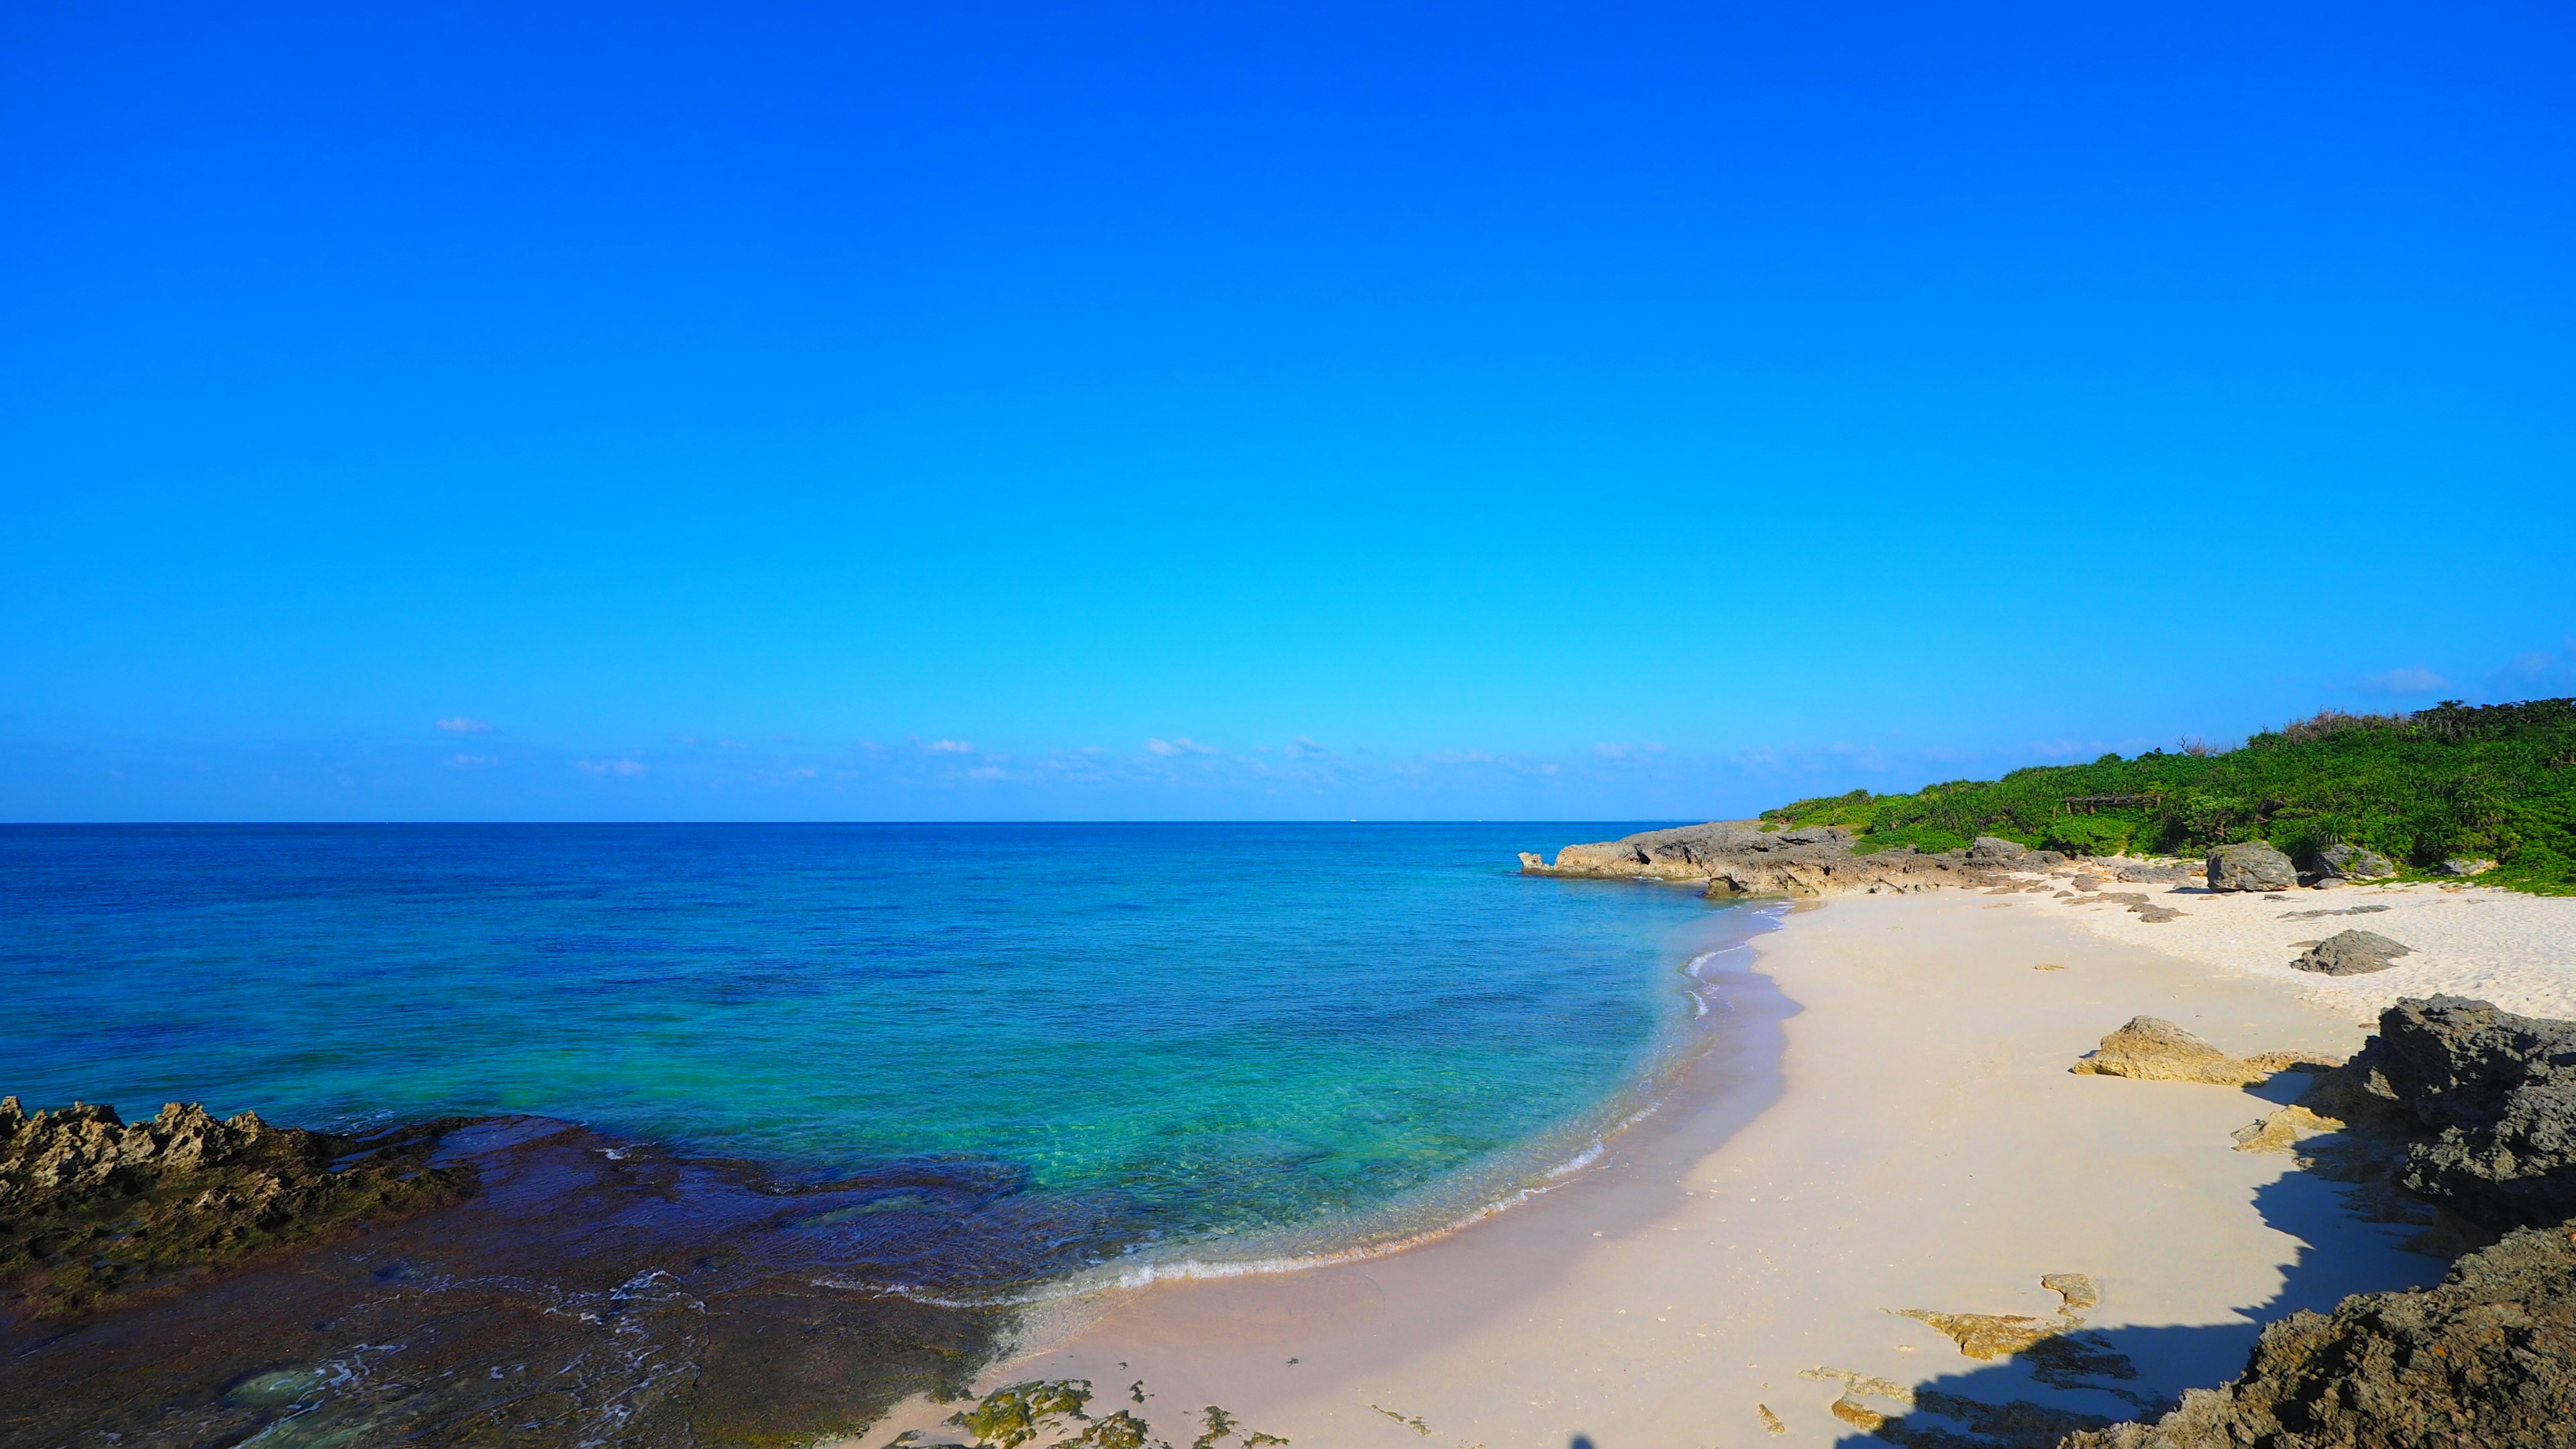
<point>1995,849</point>
<point>2462,866</point>
<point>2074,1290</point>
<point>2352,862</point>
<point>2151,1049</point>
<point>2487,1358</point>
<point>2280,1132</point>
<point>2252,866</point>
<point>2352,953</point>
<point>2490,1097</point>
<point>91,1204</point>
<point>1986,1336</point>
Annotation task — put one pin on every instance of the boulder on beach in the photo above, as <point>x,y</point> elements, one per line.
<point>2251,866</point>
<point>2151,1049</point>
<point>2488,1096</point>
<point>2487,1358</point>
<point>2351,862</point>
<point>2463,866</point>
<point>1995,850</point>
<point>2352,953</point>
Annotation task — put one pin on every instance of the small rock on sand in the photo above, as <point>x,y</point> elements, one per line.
<point>2075,1289</point>
<point>1770,1421</point>
<point>2352,953</point>
<point>2151,1049</point>
<point>2280,1131</point>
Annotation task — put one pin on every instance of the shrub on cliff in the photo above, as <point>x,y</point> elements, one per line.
<point>2489,781</point>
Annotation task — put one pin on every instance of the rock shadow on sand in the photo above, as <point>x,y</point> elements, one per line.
<point>2354,1238</point>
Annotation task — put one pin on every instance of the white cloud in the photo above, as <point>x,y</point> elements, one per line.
<point>1302,748</point>
<point>1616,751</point>
<point>2535,674</point>
<point>1184,745</point>
<point>985,772</point>
<point>612,767</point>
<point>466,725</point>
<point>2413,681</point>
<point>943,747</point>
<point>472,762</point>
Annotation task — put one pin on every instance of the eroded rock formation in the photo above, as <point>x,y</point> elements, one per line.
<point>1739,858</point>
<point>91,1205</point>
<point>2488,1358</point>
<point>2488,1096</point>
<point>2152,1049</point>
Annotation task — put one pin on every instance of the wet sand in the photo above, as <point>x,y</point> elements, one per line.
<point>1917,1142</point>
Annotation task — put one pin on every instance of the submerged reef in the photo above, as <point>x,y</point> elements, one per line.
<point>498,1281</point>
<point>92,1206</point>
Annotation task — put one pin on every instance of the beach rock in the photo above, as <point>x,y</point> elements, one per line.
<point>2462,866</point>
<point>2352,862</point>
<point>1738,859</point>
<point>91,1204</point>
<point>2073,1290</point>
<point>2151,1049</point>
<point>2487,1358</point>
<point>2352,953</point>
<point>2490,1097</point>
<point>2251,866</point>
<point>2281,1131</point>
<point>1994,849</point>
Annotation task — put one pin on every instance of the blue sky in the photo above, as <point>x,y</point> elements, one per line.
<point>558,411</point>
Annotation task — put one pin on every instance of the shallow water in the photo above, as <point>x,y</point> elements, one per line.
<point>1156,1042</point>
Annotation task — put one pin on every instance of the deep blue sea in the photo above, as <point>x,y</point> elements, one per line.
<point>1233,1042</point>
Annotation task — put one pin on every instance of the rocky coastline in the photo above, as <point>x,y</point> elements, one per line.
<point>2472,1111</point>
<point>93,1207</point>
<point>2455,1114</point>
<point>1740,858</point>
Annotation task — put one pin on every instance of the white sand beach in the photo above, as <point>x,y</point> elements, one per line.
<point>1928,1149</point>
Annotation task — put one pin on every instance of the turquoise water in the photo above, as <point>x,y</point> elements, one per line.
<point>1205,1040</point>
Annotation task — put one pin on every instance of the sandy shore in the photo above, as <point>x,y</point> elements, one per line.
<point>1927,1149</point>
<point>2514,950</point>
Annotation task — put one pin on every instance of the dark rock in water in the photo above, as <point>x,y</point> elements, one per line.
<point>2491,1096</point>
<point>2488,1358</point>
<point>593,1291</point>
<point>2252,866</point>
<point>91,1205</point>
<point>2352,953</point>
<point>2351,862</point>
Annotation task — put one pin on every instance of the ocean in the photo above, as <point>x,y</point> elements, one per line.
<point>1018,1060</point>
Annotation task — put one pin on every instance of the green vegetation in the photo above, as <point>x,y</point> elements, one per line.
<point>2495,782</point>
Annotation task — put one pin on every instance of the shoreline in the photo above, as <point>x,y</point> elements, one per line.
<point>1513,1184</point>
<point>1924,1119</point>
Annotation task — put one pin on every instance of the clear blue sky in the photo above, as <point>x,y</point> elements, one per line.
<point>967,411</point>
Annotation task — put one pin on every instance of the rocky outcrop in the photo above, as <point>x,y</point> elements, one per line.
<point>2351,953</point>
<point>1689,852</point>
<point>2487,1358</point>
<point>2488,1099</point>
<point>2463,866</point>
<point>2152,1049</point>
<point>91,1204</point>
<point>1740,859</point>
<point>2350,863</point>
<point>2251,866</point>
